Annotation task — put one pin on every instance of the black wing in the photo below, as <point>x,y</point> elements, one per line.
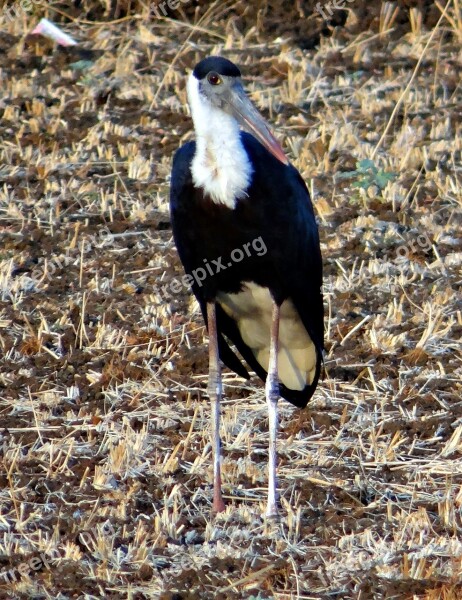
<point>182,195</point>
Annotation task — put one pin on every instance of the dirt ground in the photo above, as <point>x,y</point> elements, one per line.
<point>105,471</point>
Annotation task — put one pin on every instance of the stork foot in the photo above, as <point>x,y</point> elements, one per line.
<point>272,512</point>
<point>218,505</point>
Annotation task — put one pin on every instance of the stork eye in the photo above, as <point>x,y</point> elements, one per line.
<point>214,79</point>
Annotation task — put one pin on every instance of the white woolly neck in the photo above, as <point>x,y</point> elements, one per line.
<point>220,165</point>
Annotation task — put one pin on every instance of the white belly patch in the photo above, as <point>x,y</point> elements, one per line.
<point>252,309</point>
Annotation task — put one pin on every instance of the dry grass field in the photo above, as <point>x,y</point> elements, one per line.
<point>105,465</point>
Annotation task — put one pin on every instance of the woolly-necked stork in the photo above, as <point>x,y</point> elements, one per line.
<point>230,188</point>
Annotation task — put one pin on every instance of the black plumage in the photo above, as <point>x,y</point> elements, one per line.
<point>278,209</point>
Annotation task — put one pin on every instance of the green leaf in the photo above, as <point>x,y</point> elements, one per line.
<point>383,178</point>
<point>366,165</point>
<point>81,65</point>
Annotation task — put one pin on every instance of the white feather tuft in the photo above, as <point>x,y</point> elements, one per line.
<point>252,310</point>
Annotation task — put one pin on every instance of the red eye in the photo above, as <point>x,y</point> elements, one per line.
<point>214,79</point>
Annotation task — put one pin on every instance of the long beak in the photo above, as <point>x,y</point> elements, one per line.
<point>249,117</point>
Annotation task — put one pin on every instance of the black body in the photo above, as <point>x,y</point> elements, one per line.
<point>278,209</point>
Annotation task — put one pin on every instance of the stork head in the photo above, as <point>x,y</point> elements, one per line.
<point>216,84</point>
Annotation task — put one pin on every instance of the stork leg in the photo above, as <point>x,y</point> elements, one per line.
<point>215,392</point>
<point>272,397</point>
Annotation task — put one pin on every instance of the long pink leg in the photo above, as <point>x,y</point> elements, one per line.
<point>272,397</point>
<point>215,393</point>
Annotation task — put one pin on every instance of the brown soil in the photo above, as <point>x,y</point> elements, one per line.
<point>105,440</point>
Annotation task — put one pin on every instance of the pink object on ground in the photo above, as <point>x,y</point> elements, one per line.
<point>50,30</point>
